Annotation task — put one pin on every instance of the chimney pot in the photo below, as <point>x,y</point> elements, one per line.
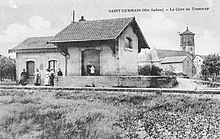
<point>82,18</point>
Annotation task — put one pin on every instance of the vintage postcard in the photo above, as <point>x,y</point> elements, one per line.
<point>160,21</point>
<point>116,69</point>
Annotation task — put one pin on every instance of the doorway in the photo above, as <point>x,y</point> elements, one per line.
<point>30,66</point>
<point>52,65</point>
<point>90,57</point>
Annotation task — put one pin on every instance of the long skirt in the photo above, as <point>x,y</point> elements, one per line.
<point>47,81</point>
<point>52,80</point>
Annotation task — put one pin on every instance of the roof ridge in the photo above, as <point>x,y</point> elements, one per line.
<point>128,19</point>
<point>172,50</point>
<point>40,37</point>
<point>175,56</point>
<point>167,49</point>
<point>104,19</point>
<point>125,26</point>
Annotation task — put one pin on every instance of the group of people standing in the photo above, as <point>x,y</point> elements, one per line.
<point>48,79</point>
<point>90,70</point>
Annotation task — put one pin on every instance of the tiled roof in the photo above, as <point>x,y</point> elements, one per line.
<point>108,29</point>
<point>174,59</point>
<point>84,31</point>
<point>162,53</point>
<point>92,30</point>
<point>34,43</point>
<point>187,32</point>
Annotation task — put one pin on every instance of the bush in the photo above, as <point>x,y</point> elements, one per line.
<point>149,70</point>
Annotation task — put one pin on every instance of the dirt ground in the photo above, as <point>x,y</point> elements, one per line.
<point>190,84</point>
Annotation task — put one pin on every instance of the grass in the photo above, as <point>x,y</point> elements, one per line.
<point>66,114</point>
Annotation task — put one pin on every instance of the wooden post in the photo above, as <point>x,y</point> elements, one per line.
<point>66,64</point>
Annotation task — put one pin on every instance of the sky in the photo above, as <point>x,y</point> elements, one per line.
<point>20,19</point>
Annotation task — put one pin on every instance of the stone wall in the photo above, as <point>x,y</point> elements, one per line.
<point>117,81</point>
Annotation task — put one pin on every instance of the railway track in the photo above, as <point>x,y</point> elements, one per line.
<point>124,90</point>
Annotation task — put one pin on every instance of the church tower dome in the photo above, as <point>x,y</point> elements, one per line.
<point>187,42</point>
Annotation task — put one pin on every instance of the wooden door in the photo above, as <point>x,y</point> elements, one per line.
<point>30,66</point>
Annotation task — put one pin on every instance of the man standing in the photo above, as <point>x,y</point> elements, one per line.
<point>52,76</point>
<point>59,73</point>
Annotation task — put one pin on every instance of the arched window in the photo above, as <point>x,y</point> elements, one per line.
<point>128,42</point>
<point>30,66</point>
<point>191,49</point>
<point>187,63</point>
<point>52,64</point>
<point>184,48</point>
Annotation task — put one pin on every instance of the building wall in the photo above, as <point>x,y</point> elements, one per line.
<point>184,67</point>
<point>154,55</point>
<point>128,56</point>
<point>41,62</point>
<point>198,61</point>
<point>74,61</point>
<point>177,66</point>
<point>123,62</point>
<point>107,60</point>
<point>188,67</point>
<point>117,81</point>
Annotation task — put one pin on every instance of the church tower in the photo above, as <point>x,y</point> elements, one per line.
<point>187,42</point>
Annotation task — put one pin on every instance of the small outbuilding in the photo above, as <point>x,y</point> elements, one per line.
<point>179,61</point>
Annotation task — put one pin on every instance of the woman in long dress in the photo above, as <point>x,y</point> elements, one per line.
<point>37,77</point>
<point>47,78</point>
<point>92,70</point>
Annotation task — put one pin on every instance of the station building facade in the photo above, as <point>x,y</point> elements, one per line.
<point>110,45</point>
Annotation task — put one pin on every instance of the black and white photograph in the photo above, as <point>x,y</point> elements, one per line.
<point>128,69</point>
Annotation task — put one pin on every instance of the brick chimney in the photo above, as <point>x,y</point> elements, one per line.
<point>82,18</point>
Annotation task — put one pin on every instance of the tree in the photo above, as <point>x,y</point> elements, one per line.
<point>211,66</point>
<point>149,70</point>
<point>7,68</point>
